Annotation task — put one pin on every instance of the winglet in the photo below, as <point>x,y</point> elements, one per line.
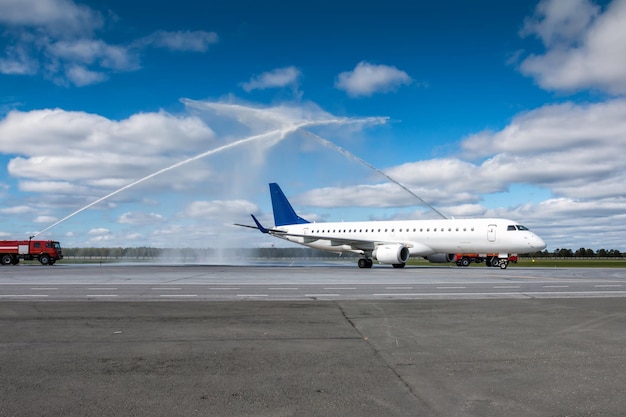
<point>259,226</point>
<point>284,214</point>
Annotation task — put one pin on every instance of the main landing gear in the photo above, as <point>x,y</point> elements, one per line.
<point>365,263</point>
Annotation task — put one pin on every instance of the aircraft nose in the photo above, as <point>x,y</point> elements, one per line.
<point>538,243</point>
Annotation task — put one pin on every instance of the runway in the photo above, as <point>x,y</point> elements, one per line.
<point>142,282</point>
<point>276,340</point>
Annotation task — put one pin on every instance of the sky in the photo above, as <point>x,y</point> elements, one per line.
<point>136,123</point>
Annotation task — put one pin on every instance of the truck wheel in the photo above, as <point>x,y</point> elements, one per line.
<point>6,259</point>
<point>465,262</point>
<point>44,259</point>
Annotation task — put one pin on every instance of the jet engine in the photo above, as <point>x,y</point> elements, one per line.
<point>440,258</point>
<point>391,254</point>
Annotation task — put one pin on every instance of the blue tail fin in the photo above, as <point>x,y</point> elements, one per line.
<point>284,214</point>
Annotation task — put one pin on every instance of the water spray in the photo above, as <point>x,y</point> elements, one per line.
<point>282,133</point>
<point>350,155</point>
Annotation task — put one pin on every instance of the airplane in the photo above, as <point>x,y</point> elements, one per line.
<point>395,241</point>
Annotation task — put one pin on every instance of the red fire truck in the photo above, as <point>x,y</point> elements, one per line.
<point>46,251</point>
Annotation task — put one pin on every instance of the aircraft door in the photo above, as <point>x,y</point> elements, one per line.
<point>491,232</point>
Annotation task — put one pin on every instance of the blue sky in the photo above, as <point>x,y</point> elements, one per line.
<point>484,108</point>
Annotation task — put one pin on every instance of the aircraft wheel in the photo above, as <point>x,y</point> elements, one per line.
<point>363,263</point>
<point>398,265</point>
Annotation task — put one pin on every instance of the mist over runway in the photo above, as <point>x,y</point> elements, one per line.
<point>144,282</point>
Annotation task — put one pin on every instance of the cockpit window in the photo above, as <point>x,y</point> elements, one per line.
<point>516,227</point>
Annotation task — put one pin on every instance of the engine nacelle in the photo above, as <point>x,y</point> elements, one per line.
<point>391,254</point>
<point>440,258</point>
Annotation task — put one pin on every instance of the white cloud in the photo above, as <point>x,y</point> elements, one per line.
<point>280,77</point>
<point>81,76</point>
<point>576,150</point>
<point>141,218</point>
<point>195,41</point>
<point>57,187</point>
<point>219,209</point>
<point>17,210</point>
<point>585,48</point>
<point>99,231</point>
<point>57,38</point>
<point>45,219</point>
<point>57,17</point>
<point>367,79</point>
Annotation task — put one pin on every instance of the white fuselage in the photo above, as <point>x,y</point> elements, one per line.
<point>421,237</point>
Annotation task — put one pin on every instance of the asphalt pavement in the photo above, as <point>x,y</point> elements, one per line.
<point>495,357</point>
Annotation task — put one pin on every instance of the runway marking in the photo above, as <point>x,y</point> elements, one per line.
<point>519,294</point>
<point>101,295</point>
<point>178,295</point>
<point>43,289</point>
<point>607,285</point>
<point>102,289</point>
<point>252,295</point>
<point>398,288</point>
<point>340,288</point>
<point>22,295</point>
<point>321,295</point>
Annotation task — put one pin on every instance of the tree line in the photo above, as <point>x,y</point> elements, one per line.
<point>580,253</point>
<point>145,252</point>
